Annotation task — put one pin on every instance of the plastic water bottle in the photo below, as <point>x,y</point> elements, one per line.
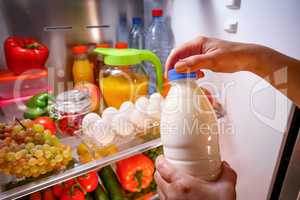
<point>159,39</point>
<point>136,34</point>
<point>122,29</point>
<point>159,36</point>
<point>189,128</point>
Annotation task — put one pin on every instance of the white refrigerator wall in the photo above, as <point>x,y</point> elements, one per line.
<point>257,114</point>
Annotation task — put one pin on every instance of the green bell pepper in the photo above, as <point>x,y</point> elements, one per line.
<point>40,100</point>
<point>33,113</point>
<point>38,105</point>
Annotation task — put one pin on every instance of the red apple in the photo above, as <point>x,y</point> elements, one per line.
<point>94,92</point>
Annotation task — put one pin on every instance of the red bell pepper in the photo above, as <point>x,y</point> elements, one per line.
<point>24,53</point>
<point>135,173</point>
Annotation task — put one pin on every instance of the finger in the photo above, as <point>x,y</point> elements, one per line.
<point>166,170</point>
<point>161,195</point>
<point>228,174</point>
<point>194,63</point>
<point>162,185</point>
<point>188,49</point>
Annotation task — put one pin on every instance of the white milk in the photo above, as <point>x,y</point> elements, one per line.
<point>189,129</point>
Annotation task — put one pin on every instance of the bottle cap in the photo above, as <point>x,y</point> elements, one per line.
<point>121,45</point>
<point>103,45</point>
<point>137,20</point>
<point>173,75</point>
<point>79,49</point>
<point>157,12</point>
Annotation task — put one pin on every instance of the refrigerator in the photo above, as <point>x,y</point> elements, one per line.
<point>259,134</point>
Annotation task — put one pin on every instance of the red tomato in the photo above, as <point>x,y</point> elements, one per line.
<point>69,183</point>
<point>47,122</point>
<point>89,181</point>
<point>47,194</point>
<point>58,189</point>
<point>72,194</point>
<point>35,196</point>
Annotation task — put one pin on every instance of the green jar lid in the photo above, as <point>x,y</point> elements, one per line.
<point>120,57</point>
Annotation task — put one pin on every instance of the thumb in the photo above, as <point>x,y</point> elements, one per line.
<point>194,63</point>
<point>228,174</point>
<point>166,170</point>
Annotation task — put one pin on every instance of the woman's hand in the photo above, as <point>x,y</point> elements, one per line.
<point>225,56</point>
<point>173,184</point>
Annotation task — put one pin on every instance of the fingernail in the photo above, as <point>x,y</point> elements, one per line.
<point>155,175</point>
<point>226,164</point>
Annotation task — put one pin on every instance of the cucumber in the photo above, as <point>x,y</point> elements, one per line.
<point>88,196</point>
<point>111,184</point>
<point>100,194</point>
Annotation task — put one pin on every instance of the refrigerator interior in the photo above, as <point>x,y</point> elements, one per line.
<point>257,116</point>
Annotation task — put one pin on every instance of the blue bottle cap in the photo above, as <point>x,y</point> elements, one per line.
<point>137,20</point>
<point>173,75</point>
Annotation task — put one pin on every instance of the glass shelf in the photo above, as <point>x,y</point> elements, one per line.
<point>135,146</point>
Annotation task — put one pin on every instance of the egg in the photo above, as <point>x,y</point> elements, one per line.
<point>154,110</point>
<point>108,114</point>
<point>126,108</point>
<point>89,119</point>
<point>141,104</point>
<point>122,126</point>
<point>139,119</point>
<point>155,98</point>
<point>102,133</point>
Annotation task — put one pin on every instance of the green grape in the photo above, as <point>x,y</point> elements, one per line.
<point>38,153</point>
<point>43,170</point>
<point>27,173</point>
<point>26,166</point>
<point>34,169</point>
<point>52,162</point>
<point>47,132</point>
<point>46,147</point>
<point>29,146</point>
<point>58,158</point>
<point>53,150</point>
<point>27,123</point>
<point>66,154</point>
<point>48,154</point>
<point>28,139</point>
<point>2,153</point>
<point>32,152</point>
<point>21,134</point>
<point>38,128</point>
<point>38,137</point>
<point>17,128</point>
<point>10,156</point>
<point>32,161</point>
<point>20,154</point>
<point>41,161</point>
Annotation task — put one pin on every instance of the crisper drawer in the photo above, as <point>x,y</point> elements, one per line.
<point>32,82</point>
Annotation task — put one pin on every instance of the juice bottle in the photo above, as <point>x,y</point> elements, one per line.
<point>82,68</point>
<point>189,128</point>
<point>123,77</point>
<point>120,84</point>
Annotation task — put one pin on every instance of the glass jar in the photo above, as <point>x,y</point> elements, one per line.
<point>70,107</point>
<point>123,83</point>
<point>124,78</point>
